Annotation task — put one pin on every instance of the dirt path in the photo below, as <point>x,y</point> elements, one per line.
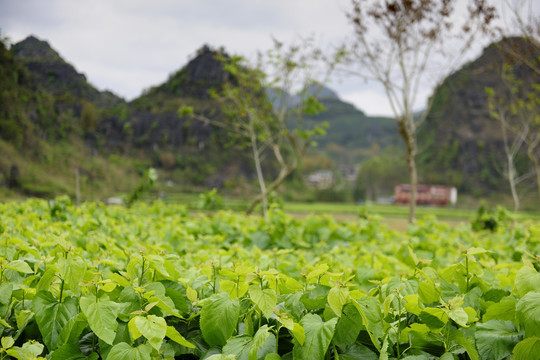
<point>395,223</point>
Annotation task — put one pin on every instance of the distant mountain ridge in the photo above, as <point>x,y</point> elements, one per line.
<point>57,76</point>
<point>460,144</point>
<point>48,99</point>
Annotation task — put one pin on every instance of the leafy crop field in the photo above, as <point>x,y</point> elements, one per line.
<point>154,282</point>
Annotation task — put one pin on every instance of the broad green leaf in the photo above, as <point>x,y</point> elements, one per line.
<point>495,295</point>
<point>191,294</point>
<point>72,352</point>
<point>435,318</point>
<point>238,346</point>
<point>177,294</point>
<point>221,357</point>
<point>527,279</point>
<point>476,251</point>
<point>504,310</point>
<point>52,316</point>
<point>153,328</point>
<point>72,330</point>
<point>260,339</point>
<point>72,271</point>
<point>89,343</point>
<point>471,314</point>
<point>384,349</point>
<point>128,300</point>
<point>7,342</point>
<point>266,300</point>
<point>296,329</point>
<point>245,347</point>
<point>233,288</point>
<point>314,275</point>
<point>123,351</point>
<point>219,317</point>
<point>414,332</point>
<point>315,298</point>
<point>23,317</point>
<point>46,279</point>
<point>448,356</point>
<point>428,293</point>
<point>357,352</point>
<point>156,292</point>
<point>412,304</point>
<point>460,316</point>
<point>528,313</point>
<point>338,296</point>
<point>5,323</point>
<point>175,336</point>
<point>19,266</point>
<point>272,356</point>
<point>119,280</point>
<point>319,334</point>
<point>370,311</point>
<point>133,330</point>
<point>28,351</point>
<point>387,304</point>
<point>6,289</point>
<point>348,327</point>
<point>528,349</point>
<point>496,339</point>
<point>292,285</point>
<point>101,316</point>
<point>424,357</point>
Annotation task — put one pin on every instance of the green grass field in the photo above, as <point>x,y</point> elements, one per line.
<point>393,215</point>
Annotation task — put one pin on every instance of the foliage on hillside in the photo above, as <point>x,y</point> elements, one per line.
<point>42,130</point>
<point>353,130</point>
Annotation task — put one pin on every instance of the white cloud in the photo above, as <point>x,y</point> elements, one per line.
<point>129,45</point>
<point>371,102</point>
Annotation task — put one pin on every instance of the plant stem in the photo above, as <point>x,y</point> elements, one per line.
<point>467,271</point>
<point>61,290</point>
<point>399,326</point>
<point>142,272</point>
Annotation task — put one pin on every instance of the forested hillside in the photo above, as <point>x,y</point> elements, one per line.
<point>53,121</point>
<point>461,144</point>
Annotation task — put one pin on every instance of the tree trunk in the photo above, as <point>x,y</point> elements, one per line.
<point>536,164</point>
<point>408,137</point>
<point>77,189</point>
<point>414,186</point>
<point>512,182</point>
<point>258,169</point>
<point>510,154</point>
<point>284,172</point>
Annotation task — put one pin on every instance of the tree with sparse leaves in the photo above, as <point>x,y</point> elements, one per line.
<point>260,112</point>
<point>517,110</point>
<point>397,43</point>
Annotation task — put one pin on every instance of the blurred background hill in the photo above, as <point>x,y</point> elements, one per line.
<point>53,121</point>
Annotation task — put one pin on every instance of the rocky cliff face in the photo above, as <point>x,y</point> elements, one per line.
<point>194,80</point>
<point>460,144</point>
<point>57,76</point>
<point>44,96</point>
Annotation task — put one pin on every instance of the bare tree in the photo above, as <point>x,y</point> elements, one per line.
<point>397,41</point>
<point>261,112</point>
<point>517,109</point>
<point>524,23</point>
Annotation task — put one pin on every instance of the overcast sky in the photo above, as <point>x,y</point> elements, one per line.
<point>127,46</point>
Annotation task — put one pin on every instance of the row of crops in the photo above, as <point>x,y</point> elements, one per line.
<point>155,282</point>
